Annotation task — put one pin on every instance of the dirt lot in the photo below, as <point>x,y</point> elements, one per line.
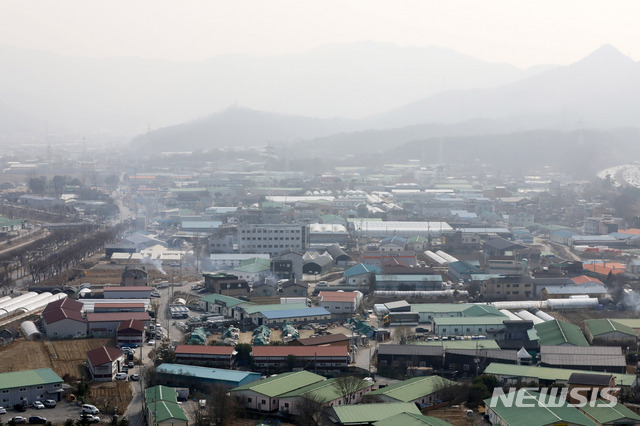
<point>107,396</point>
<point>456,415</point>
<point>64,357</point>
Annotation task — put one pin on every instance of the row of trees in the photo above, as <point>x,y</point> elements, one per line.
<point>54,253</point>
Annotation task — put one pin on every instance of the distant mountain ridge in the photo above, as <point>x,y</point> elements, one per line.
<point>129,95</point>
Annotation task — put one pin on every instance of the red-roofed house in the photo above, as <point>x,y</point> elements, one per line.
<point>63,319</point>
<point>130,331</point>
<point>104,363</point>
<point>340,302</point>
<point>268,358</point>
<point>583,279</point>
<point>214,356</point>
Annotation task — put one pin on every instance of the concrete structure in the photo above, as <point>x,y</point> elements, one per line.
<point>134,275</point>
<point>103,363</point>
<point>272,239</point>
<point>26,386</point>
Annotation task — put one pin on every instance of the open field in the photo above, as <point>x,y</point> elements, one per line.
<point>64,357</point>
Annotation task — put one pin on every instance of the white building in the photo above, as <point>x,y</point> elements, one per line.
<point>63,319</point>
<point>272,239</point>
<point>104,363</point>
<point>340,302</point>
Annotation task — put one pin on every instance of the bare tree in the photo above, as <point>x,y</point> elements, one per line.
<point>348,387</point>
<point>224,407</point>
<point>402,335</point>
<point>310,410</point>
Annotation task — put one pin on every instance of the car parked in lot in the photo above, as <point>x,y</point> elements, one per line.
<point>37,420</point>
<point>18,419</point>
<point>130,364</point>
<point>90,418</point>
<point>125,369</point>
<point>50,403</point>
<point>38,405</point>
<point>151,342</point>
<point>121,376</point>
<point>3,410</point>
<point>134,377</point>
<point>90,409</point>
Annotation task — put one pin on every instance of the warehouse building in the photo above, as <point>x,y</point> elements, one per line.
<point>200,378</point>
<point>214,356</point>
<point>275,358</point>
<point>162,408</point>
<point>263,395</point>
<point>26,386</point>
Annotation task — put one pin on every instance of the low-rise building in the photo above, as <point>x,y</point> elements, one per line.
<point>346,302</point>
<point>128,292</point>
<point>366,414</point>
<point>607,332</point>
<point>277,358</point>
<point>491,326</point>
<point>325,392</point>
<point>263,395</point>
<point>63,319</point>
<point>558,333</point>
<point>337,339</point>
<point>220,304</point>
<point>162,408</point>
<point>214,356</point>
<point>361,274</point>
<point>592,358</point>
<point>106,324</point>
<point>420,390</point>
<point>408,282</point>
<point>201,378</point>
<point>26,386</point>
<point>104,362</point>
<point>130,332</point>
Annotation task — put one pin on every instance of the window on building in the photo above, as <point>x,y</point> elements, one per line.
<point>23,389</point>
<point>39,387</point>
<point>264,401</point>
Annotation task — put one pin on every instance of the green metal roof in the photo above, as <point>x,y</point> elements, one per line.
<point>482,310</point>
<point>275,307</point>
<point>549,373</point>
<point>618,414</point>
<point>160,393</point>
<point>410,419</point>
<point>540,414</point>
<point>413,388</point>
<point>254,265</point>
<point>16,379</point>
<point>630,322</point>
<point>228,300</point>
<point>605,325</point>
<point>163,411</point>
<point>369,413</point>
<point>282,383</point>
<point>557,332</point>
<point>325,390</point>
<point>461,344</point>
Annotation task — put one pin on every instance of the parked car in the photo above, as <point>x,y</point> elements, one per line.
<point>3,410</point>
<point>130,364</point>
<point>35,420</point>
<point>152,342</point>
<point>125,369</point>
<point>121,376</point>
<point>50,403</point>
<point>38,405</point>
<point>20,407</point>
<point>134,377</point>
<point>155,294</point>
<point>18,419</point>
<point>90,409</point>
<point>90,418</point>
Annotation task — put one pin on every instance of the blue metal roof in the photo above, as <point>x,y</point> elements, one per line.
<point>216,374</point>
<point>293,313</point>
<point>362,268</point>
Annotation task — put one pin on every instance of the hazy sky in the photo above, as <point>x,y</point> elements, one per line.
<point>523,33</point>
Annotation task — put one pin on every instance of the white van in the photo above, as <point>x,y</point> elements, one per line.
<point>121,376</point>
<point>91,409</point>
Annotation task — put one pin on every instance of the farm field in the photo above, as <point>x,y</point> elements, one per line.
<point>63,357</point>
<point>106,396</point>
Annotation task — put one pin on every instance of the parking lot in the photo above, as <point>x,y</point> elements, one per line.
<point>63,411</point>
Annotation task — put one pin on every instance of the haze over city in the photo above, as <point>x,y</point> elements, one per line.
<point>319,213</point>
